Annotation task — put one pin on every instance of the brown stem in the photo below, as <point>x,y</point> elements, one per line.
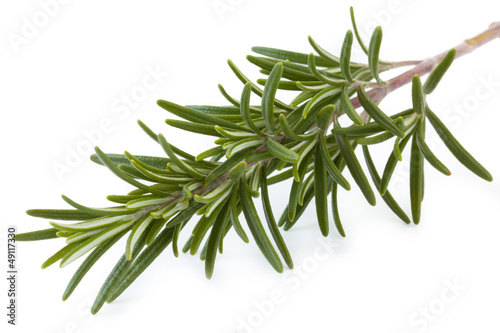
<point>427,65</point>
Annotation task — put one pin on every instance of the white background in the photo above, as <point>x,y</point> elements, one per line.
<point>71,74</point>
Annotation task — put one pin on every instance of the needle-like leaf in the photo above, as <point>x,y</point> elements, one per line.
<point>270,94</point>
<point>235,211</point>
<point>281,152</point>
<point>37,235</point>
<point>348,107</point>
<point>321,192</point>
<point>438,72</point>
<point>378,115</point>
<point>300,58</point>
<point>456,148</point>
<point>256,228</point>
<point>356,32</point>
<point>111,166</point>
<point>426,151</point>
<point>373,53</point>
<point>61,214</point>
<point>245,109</point>
<point>355,168</point>
<point>214,240</point>
<point>345,56</point>
<point>185,167</point>
<point>417,95</point>
<point>271,221</point>
<point>193,127</point>
<point>391,166</point>
<point>387,197</point>
<point>196,116</point>
<point>416,181</point>
<point>88,263</point>
<point>226,166</point>
<point>330,166</point>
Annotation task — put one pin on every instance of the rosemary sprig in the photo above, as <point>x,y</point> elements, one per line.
<point>301,140</point>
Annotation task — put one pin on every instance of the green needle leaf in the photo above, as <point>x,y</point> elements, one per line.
<point>335,61</point>
<point>427,153</point>
<point>387,197</point>
<point>456,148</point>
<point>216,110</point>
<point>325,115</point>
<point>367,129</point>
<point>299,58</point>
<point>287,223</point>
<point>186,168</point>
<point>391,166</point>
<point>116,273</point>
<point>214,240</point>
<point>348,107</point>
<point>155,228</point>
<point>376,139</point>
<point>59,255</point>
<point>256,228</point>
<point>245,109</point>
<point>196,116</point>
<point>330,166</point>
<point>417,95</point>
<point>111,166</point>
<point>193,127</point>
<point>438,72</point>
<point>88,263</point>
<point>321,192</point>
<point>270,94</point>
<point>290,71</point>
<point>356,32</point>
<point>226,166</point>
<point>373,53</point>
<point>61,214</point>
<point>114,211</point>
<point>378,115</point>
<point>175,239</point>
<point>156,162</point>
<point>234,213</point>
<point>335,210</point>
<point>88,244</point>
<point>139,228</point>
<point>355,168</point>
<point>322,77</point>
<point>254,87</point>
<point>416,180</point>
<point>145,258</point>
<point>37,235</point>
<point>271,221</point>
<point>94,224</point>
<point>121,272</point>
<point>345,56</point>
<point>285,127</point>
<point>281,152</point>
<point>321,99</point>
<point>238,171</point>
<point>209,153</point>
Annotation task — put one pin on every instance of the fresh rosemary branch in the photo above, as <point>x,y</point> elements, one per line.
<point>257,146</point>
